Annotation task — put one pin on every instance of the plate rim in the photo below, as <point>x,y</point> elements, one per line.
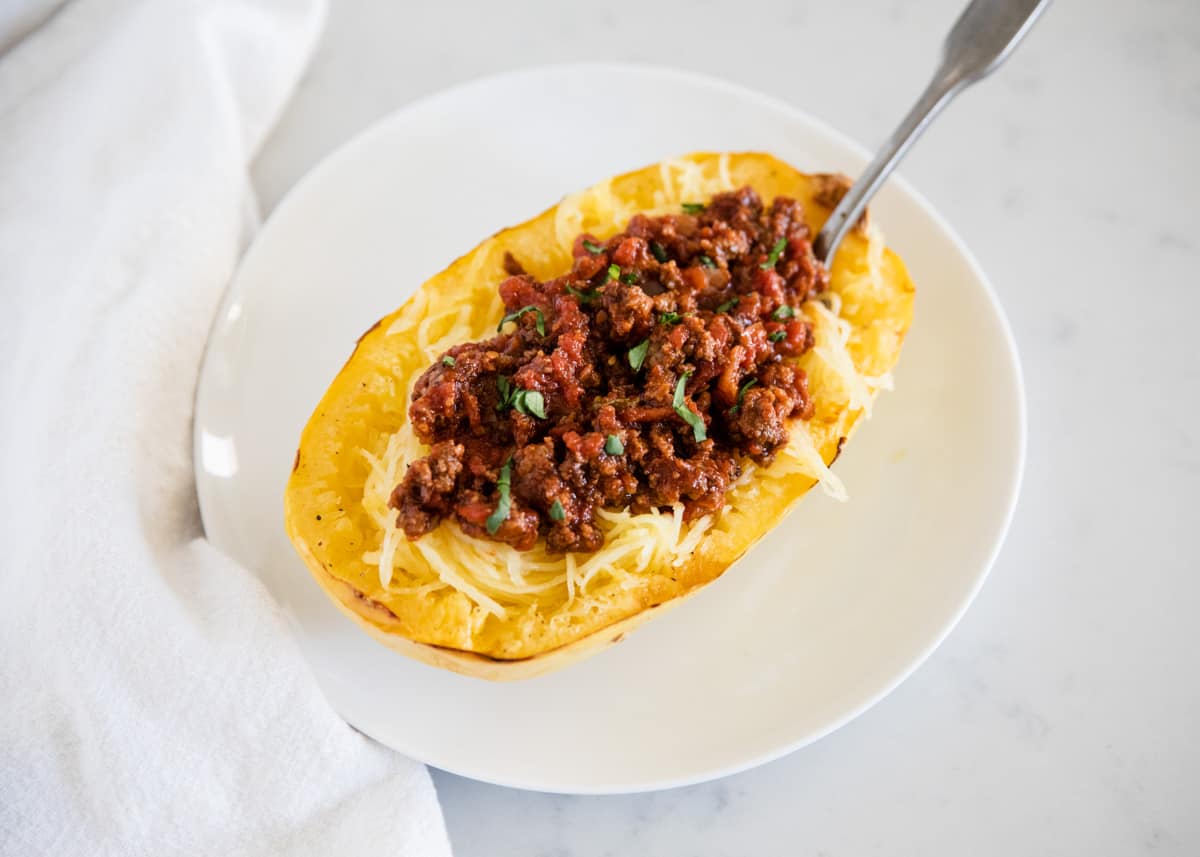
<point>364,136</point>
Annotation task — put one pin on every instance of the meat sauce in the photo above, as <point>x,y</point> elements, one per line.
<point>640,379</point>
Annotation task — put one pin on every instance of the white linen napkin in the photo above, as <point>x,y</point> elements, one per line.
<point>151,699</point>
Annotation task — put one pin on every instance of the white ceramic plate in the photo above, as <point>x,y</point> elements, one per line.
<point>827,615</point>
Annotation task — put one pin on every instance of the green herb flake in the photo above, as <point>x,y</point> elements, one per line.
<point>783,313</point>
<point>557,513</point>
<point>531,403</point>
<point>582,297</point>
<point>513,316</point>
<point>777,336</point>
<point>629,279</point>
<point>535,403</point>
<point>728,305</point>
<point>504,506</point>
<point>448,361</point>
<point>742,394</point>
<point>685,413</point>
<point>706,262</point>
<point>613,445</point>
<point>505,388</point>
<point>659,252</point>
<point>614,271</point>
<point>637,355</point>
<point>693,207</point>
<point>669,318</point>
<point>592,247</point>
<point>776,252</point>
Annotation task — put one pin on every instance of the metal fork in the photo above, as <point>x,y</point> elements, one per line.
<point>984,36</point>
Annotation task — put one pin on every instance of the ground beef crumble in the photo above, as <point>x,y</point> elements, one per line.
<point>640,379</point>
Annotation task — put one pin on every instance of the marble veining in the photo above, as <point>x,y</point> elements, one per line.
<point>1060,716</point>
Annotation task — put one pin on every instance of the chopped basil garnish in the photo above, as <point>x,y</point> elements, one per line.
<point>613,445</point>
<point>531,403</point>
<point>658,251</point>
<point>728,305</point>
<point>513,316</point>
<point>693,207</point>
<point>505,388</point>
<point>742,394</point>
<point>669,318</point>
<point>629,279</point>
<point>592,248</point>
<point>448,361</point>
<point>776,252</point>
<point>777,336</point>
<point>707,262</point>
<point>504,506</point>
<point>614,271</point>
<point>557,513</point>
<point>685,413</point>
<point>582,297</point>
<point>637,355</point>
<point>784,312</point>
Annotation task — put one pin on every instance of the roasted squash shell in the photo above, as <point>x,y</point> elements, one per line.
<point>420,611</point>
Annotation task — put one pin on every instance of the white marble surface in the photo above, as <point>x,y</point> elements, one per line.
<point>1063,715</point>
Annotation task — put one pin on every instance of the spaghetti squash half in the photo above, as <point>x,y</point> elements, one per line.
<point>493,600</point>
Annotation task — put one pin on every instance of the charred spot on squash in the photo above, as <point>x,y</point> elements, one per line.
<point>478,656</point>
<point>358,344</point>
<point>367,333</point>
<point>511,266</point>
<point>372,603</point>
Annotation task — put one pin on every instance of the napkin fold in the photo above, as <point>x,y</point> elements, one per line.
<point>152,700</point>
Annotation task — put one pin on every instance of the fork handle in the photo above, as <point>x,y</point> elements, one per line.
<point>936,96</point>
<point>982,38</point>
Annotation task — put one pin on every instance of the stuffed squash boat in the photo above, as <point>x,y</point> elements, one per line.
<point>594,414</point>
